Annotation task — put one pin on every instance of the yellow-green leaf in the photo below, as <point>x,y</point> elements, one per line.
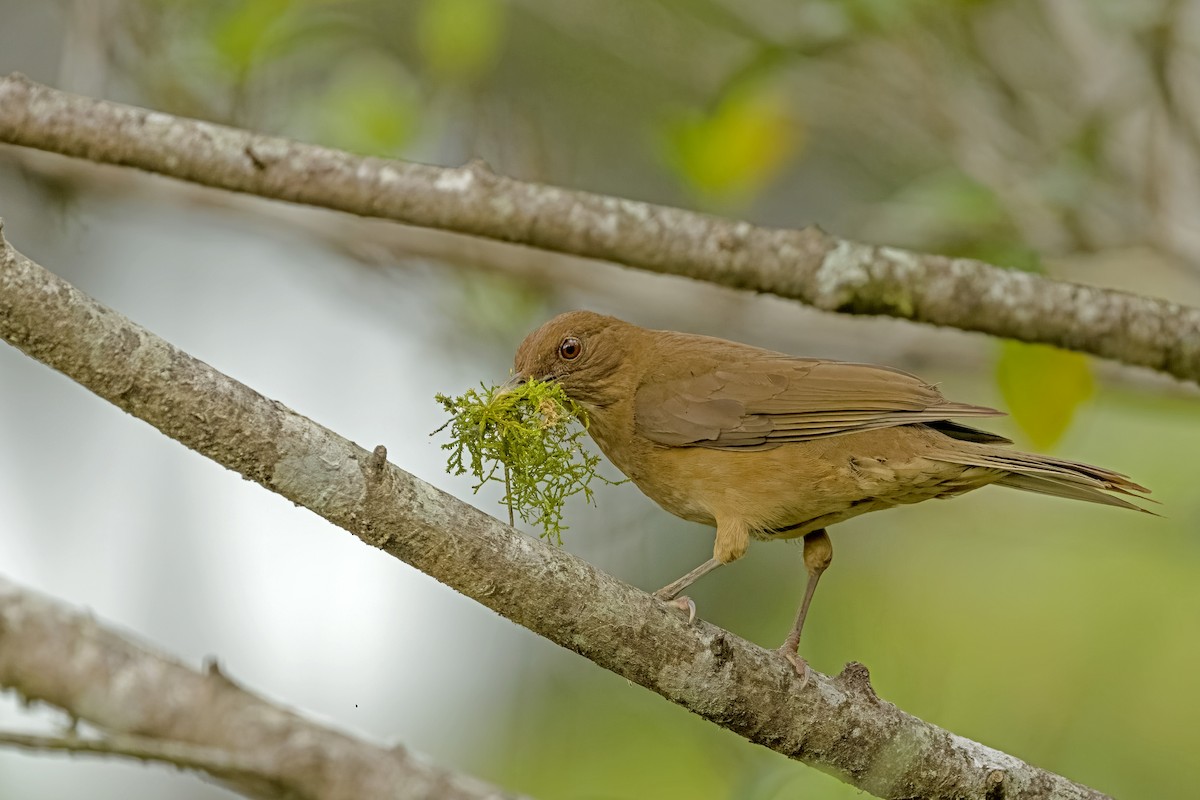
<point>248,31</point>
<point>370,106</point>
<point>460,39</point>
<point>731,153</point>
<point>1043,386</point>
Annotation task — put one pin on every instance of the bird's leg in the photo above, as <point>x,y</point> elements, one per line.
<point>733,537</point>
<point>818,553</point>
<point>672,589</point>
<point>669,594</point>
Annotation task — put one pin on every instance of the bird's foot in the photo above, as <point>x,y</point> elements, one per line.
<point>684,604</point>
<point>797,661</point>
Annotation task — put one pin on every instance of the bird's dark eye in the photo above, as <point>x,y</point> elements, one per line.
<point>570,348</point>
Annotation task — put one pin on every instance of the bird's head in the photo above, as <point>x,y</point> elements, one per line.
<point>588,354</point>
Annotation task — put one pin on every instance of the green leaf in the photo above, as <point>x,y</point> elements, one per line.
<point>460,39</point>
<point>1043,386</point>
<point>731,153</point>
<point>371,106</point>
<point>247,34</point>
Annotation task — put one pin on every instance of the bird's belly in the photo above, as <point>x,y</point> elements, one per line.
<point>681,502</point>
<point>767,489</point>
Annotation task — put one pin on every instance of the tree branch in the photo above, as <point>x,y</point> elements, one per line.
<point>837,725</point>
<point>161,710</point>
<point>237,771</point>
<point>807,265</point>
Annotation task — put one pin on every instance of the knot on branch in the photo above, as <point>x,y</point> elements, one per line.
<point>480,172</point>
<point>855,678</point>
<point>212,668</point>
<point>995,785</point>
<point>380,486</point>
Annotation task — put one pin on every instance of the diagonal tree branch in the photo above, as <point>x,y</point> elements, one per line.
<point>837,725</point>
<point>808,265</point>
<point>157,709</point>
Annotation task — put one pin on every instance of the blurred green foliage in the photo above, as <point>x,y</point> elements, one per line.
<point>1042,387</point>
<point>729,155</point>
<point>370,106</point>
<point>249,33</point>
<point>460,40</point>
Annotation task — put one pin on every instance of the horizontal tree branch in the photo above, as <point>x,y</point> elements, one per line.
<point>158,709</point>
<point>837,725</point>
<point>807,265</point>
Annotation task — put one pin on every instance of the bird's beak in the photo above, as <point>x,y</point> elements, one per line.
<point>512,383</point>
<point>519,379</point>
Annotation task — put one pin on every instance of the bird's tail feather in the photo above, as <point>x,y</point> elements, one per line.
<point>1032,472</point>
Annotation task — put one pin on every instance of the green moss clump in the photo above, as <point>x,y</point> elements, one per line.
<point>524,438</point>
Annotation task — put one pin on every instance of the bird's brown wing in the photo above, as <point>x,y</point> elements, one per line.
<point>755,399</point>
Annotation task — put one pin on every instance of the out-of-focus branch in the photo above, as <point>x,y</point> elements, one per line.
<point>154,708</point>
<point>838,725</point>
<point>235,770</point>
<point>806,265</point>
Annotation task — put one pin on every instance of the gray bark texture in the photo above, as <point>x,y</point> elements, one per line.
<point>807,265</point>
<point>158,709</point>
<point>835,724</point>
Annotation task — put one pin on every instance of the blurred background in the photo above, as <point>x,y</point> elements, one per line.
<point>1057,137</point>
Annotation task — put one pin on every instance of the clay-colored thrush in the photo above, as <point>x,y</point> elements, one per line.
<point>765,445</point>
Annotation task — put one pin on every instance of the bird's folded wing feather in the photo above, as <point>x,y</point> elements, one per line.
<point>755,399</point>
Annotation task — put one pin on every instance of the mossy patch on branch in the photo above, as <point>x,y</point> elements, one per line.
<point>523,437</point>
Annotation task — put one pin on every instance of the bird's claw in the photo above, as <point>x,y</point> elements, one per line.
<point>685,604</point>
<point>799,664</point>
